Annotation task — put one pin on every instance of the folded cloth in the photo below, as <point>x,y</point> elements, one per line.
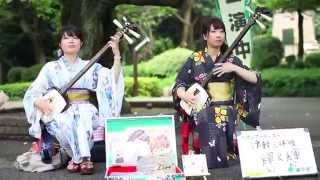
<point>31,161</point>
<point>3,98</point>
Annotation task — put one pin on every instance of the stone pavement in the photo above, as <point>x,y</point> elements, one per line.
<point>276,113</point>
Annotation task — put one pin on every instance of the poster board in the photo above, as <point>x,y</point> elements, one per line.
<point>147,143</point>
<point>276,153</point>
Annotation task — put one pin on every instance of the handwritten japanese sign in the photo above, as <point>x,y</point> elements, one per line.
<point>273,153</point>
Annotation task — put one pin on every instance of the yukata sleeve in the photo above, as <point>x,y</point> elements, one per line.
<point>238,62</point>
<point>37,89</point>
<point>110,94</point>
<point>184,77</point>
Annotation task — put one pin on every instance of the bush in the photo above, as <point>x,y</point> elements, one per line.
<point>291,82</point>
<point>299,64</point>
<point>290,60</point>
<point>267,52</point>
<point>30,73</point>
<point>23,74</point>
<point>162,65</point>
<point>147,86</point>
<point>313,59</point>
<point>15,74</point>
<point>15,91</point>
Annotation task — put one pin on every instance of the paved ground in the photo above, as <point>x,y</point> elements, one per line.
<point>277,113</point>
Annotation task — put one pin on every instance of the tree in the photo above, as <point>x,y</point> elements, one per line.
<point>186,12</point>
<point>189,13</point>
<point>293,5</point>
<point>95,19</point>
<point>147,18</point>
<point>34,17</point>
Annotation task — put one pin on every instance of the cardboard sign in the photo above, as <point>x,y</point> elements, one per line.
<point>147,144</point>
<point>276,153</point>
<point>195,165</point>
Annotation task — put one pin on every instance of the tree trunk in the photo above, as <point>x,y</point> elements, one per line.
<point>71,15</point>
<point>38,50</point>
<point>186,11</point>
<point>300,40</point>
<point>32,31</point>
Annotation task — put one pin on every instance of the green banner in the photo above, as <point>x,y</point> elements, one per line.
<point>234,16</point>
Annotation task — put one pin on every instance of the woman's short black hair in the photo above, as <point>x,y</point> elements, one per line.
<point>70,30</point>
<point>217,24</point>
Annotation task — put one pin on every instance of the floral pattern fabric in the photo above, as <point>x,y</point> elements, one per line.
<point>81,124</point>
<point>217,121</point>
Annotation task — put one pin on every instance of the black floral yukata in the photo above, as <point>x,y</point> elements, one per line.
<point>216,123</point>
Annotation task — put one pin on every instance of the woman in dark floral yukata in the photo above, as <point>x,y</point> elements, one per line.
<point>216,123</point>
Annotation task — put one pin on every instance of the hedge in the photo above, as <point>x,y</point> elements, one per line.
<point>267,52</point>
<point>276,82</point>
<point>23,74</point>
<point>147,87</point>
<point>162,65</point>
<point>313,59</point>
<point>291,82</point>
<point>15,91</point>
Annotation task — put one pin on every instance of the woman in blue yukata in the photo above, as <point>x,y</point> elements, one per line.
<point>216,123</point>
<point>82,123</point>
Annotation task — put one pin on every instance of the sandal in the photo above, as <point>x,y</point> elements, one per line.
<point>232,156</point>
<point>86,167</point>
<point>73,167</point>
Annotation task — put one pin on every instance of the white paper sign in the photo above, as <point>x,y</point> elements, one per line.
<point>274,153</point>
<point>195,165</point>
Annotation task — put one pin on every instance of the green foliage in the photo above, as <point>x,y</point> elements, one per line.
<point>313,59</point>
<point>291,82</point>
<point>276,82</point>
<point>22,74</point>
<point>15,91</point>
<point>267,52</point>
<point>162,44</point>
<point>205,7</point>
<point>27,28</point>
<point>147,18</point>
<point>165,64</point>
<point>14,74</point>
<point>30,73</point>
<point>290,60</point>
<point>147,86</point>
<point>290,5</point>
<point>47,10</point>
<point>299,64</point>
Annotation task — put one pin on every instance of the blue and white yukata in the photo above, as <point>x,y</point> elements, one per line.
<point>82,123</point>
